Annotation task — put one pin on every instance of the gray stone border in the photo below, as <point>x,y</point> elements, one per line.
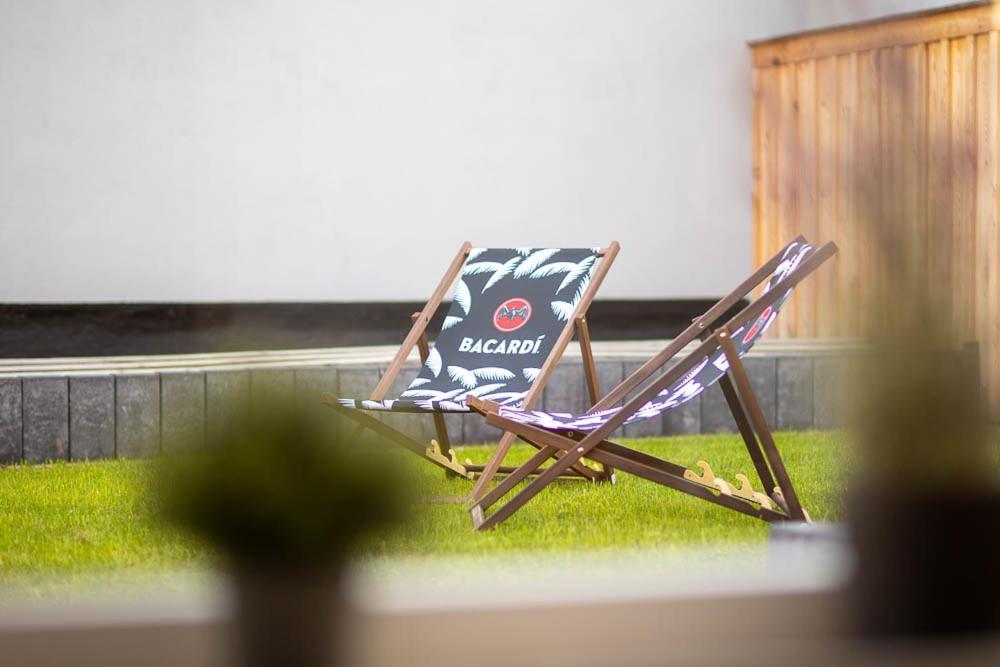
<point>83,416</point>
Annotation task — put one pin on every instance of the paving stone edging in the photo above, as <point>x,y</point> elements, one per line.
<point>97,416</point>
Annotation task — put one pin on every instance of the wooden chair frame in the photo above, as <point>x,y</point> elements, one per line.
<point>440,452</point>
<point>781,503</point>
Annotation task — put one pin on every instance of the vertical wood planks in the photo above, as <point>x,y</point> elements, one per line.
<point>890,236</point>
<point>869,170</point>
<point>788,176</point>
<point>887,144</point>
<point>805,83</point>
<point>913,169</point>
<point>987,234</point>
<point>990,317</point>
<point>767,163</point>
<point>758,141</point>
<point>963,155</point>
<point>847,200</point>
<point>939,229</point>
<point>827,172</point>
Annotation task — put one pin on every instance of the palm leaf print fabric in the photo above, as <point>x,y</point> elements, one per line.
<point>706,373</point>
<point>508,309</point>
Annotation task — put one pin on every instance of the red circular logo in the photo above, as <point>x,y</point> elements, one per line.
<point>512,314</point>
<point>757,325</point>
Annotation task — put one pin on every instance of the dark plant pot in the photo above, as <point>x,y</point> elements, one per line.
<point>292,618</point>
<point>927,566</point>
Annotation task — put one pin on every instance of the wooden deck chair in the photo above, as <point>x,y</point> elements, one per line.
<point>717,358</point>
<point>513,313</point>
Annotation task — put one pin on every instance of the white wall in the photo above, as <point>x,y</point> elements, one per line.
<point>218,150</point>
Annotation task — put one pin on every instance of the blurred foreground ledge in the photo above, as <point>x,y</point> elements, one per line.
<point>746,607</point>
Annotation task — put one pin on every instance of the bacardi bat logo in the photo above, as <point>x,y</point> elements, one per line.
<point>512,314</point>
<point>761,322</point>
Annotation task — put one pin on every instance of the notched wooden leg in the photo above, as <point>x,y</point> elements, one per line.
<point>744,491</point>
<point>449,462</point>
<point>747,492</point>
<point>708,478</point>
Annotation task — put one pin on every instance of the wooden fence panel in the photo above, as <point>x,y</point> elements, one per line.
<point>987,226</point>
<point>827,172</point>
<point>883,137</point>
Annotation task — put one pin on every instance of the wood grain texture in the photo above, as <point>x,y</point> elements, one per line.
<point>917,28</point>
<point>827,173</point>
<point>963,163</point>
<point>987,229</point>
<point>914,166</point>
<point>939,231</point>
<point>868,164</point>
<point>789,183</point>
<point>847,203</point>
<point>766,161</point>
<point>883,138</point>
<point>805,83</point>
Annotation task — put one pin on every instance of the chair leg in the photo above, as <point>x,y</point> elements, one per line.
<point>756,416</point>
<point>590,375</point>
<point>493,467</point>
<point>434,454</point>
<point>503,471</point>
<point>516,477</point>
<point>424,349</point>
<point>569,458</point>
<point>444,443</point>
<point>659,471</point>
<point>623,458</point>
<point>747,432</point>
<point>524,495</point>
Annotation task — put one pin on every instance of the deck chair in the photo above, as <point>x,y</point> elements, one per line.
<point>716,358</point>
<point>513,313</point>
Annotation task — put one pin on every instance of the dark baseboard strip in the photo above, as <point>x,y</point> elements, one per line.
<point>71,330</point>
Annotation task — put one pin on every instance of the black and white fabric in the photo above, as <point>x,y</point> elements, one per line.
<point>509,307</point>
<point>706,373</point>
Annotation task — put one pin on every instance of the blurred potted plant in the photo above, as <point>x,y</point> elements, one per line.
<point>285,495</point>
<point>925,498</point>
<point>925,502</point>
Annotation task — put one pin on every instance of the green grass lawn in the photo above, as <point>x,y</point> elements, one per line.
<point>64,519</point>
